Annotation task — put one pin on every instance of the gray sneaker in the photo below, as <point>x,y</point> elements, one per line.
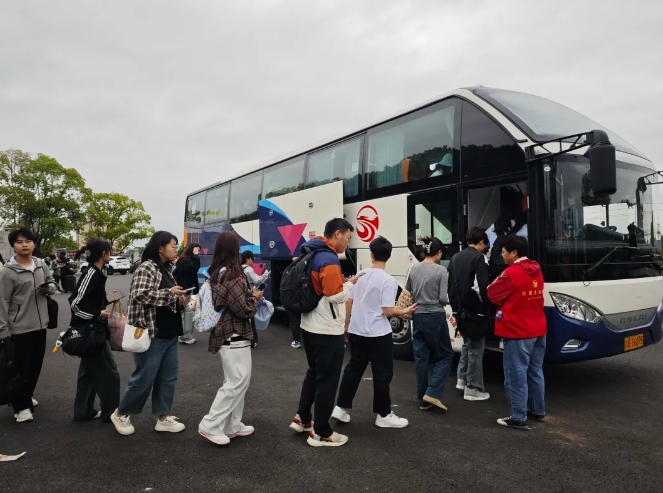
<point>475,395</point>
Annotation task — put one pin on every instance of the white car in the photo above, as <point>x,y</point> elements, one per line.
<point>117,263</point>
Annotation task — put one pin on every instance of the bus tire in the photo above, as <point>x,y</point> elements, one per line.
<point>402,336</point>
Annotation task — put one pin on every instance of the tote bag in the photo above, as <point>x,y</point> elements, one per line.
<point>135,339</point>
<point>116,324</point>
<point>405,299</point>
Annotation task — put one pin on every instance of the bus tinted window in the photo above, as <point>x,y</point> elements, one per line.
<point>340,162</point>
<point>419,148</point>
<point>193,217</point>
<point>244,197</point>
<point>486,149</point>
<point>284,178</point>
<point>216,204</point>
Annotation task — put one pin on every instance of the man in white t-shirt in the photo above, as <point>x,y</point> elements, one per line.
<point>367,328</point>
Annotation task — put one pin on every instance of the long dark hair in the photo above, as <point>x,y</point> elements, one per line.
<point>432,246</point>
<point>188,251</point>
<point>226,254</point>
<point>159,239</point>
<point>93,250</point>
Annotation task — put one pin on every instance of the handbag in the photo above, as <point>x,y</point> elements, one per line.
<point>135,339</point>
<point>116,325</point>
<point>470,325</point>
<point>405,299</point>
<point>85,340</point>
<point>263,314</point>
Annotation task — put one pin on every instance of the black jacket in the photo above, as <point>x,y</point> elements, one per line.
<point>472,270</point>
<point>89,298</point>
<point>186,273</point>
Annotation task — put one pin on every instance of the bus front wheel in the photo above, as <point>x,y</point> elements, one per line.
<point>402,335</point>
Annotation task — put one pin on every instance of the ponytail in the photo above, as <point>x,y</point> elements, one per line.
<point>93,250</point>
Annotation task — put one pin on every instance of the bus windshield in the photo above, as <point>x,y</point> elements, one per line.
<point>543,119</point>
<point>580,228</point>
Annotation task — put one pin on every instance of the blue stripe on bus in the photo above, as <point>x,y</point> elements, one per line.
<point>270,205</point>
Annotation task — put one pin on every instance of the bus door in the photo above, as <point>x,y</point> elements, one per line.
<point>504,203</point>
<point>435,213</point>
<point>286,222</point>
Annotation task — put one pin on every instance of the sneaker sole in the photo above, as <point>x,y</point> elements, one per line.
<point>474,399</point>
<point>25,420</point>
<point>340,420</point>
<point>384,425</point>
<point>322,443</point>
<point>460,387</point>
<point>169,430</point>
<point>211,438</point>
<point>240,434</point>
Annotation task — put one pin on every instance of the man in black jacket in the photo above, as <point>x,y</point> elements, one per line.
<point>468,285</point>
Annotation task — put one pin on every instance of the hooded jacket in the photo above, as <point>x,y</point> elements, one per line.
<point>22,308</point>
<point>518,293</point>
<point>328,281</point>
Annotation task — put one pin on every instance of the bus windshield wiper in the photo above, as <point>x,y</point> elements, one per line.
<point>596,265</point>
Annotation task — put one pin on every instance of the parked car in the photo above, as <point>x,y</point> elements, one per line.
<point>134,266</point>
<point>84,266</point>
<point>118,264</point>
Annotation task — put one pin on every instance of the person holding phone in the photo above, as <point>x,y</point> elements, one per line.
<point>186,275</point>
<point>97,375</point>
<point>155,304</point>
<point>231,339</point>
<point>255,281</point>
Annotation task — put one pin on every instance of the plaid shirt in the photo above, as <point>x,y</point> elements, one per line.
<point>145,296</point>
<point>241,307</point>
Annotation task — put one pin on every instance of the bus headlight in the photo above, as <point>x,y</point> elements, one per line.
<point>573,308</point>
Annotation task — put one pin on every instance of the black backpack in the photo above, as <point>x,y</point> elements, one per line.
<point>297,293</point>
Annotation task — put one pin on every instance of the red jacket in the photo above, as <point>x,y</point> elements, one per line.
<point>518,293</point>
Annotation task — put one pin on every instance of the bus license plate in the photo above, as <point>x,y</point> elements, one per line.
<point>634,342</point>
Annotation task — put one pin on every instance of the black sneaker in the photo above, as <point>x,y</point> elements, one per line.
<point>539,418</point>
<point>509,422</point>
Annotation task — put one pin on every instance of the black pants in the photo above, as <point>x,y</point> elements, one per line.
<point>295,324</point>
<point>379,352</point>
<point>324,354</point>
<point>97,375</point>
<point>255,332</point>
<point>29,353</point>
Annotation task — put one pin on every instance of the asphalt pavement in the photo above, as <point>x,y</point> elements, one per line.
<point>602,434</point>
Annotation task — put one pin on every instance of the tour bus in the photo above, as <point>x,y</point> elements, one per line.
<point>457,161</point>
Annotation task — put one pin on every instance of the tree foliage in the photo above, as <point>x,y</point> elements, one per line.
<point>42,195</point>
<point>116,218</point>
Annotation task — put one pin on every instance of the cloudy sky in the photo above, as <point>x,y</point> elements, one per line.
<point>156,98</point>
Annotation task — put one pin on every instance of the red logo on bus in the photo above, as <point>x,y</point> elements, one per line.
<point>368,223</point>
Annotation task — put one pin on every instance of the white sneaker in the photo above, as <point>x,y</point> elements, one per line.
<point>461,384</point>
<point>216,439</point>
<point>24,416</point>
<point>244,432</point>
<point>341,415</point>
<point>98,415</point>
<point>189,341</point>
<point>300,427</point>
<point>296,344</point>
<point>336,440</point>
<point>122,424</point>
<point>475,395</point>
<point>170,424</point>
<point>34,402</point>
<point>391,421</point>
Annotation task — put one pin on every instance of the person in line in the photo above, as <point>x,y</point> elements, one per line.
<point>66,269</point>
<point>231,339</point>
<point>155,304</point>
<point>186,276</point>
<point>468,284</point>
<point>518,293</point>
<point>56,271</point>
<point>427,283</point>
<point>24,283</point>
<point>322,335</point>
<point>97,375</point>
<point>295,322</point>
<point>370,302</point>
<point>254,280</point>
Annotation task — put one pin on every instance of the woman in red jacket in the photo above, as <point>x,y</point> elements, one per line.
<point>521,322</point>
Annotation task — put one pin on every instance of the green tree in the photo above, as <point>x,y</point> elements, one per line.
<point>42,195</point>
<point>117,218</point>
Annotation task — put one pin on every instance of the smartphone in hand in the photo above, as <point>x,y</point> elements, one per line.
<point>114,296</point>
<point>261,286</point>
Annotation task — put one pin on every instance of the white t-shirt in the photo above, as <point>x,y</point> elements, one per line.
<point>374,291</point>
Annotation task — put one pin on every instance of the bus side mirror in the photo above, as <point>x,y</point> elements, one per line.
<point>602,164</point>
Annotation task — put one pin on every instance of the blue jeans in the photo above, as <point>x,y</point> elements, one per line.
<point>156,372</point>
<point>431,343</point>
<point>523,376</point>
